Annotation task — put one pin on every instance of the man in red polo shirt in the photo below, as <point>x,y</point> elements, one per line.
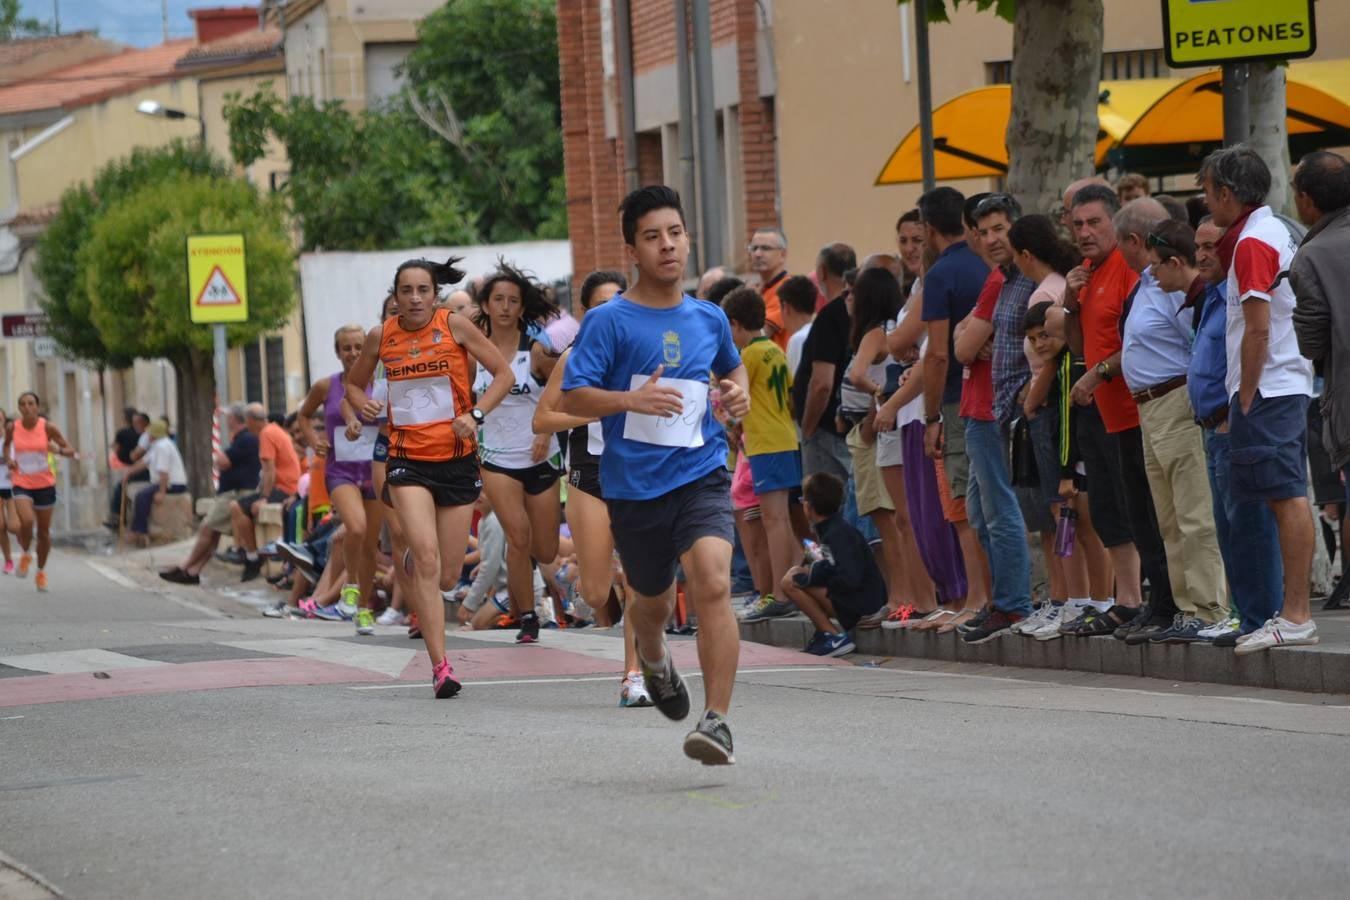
<point>1108,426</point>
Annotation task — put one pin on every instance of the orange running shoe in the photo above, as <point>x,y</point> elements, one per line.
<point>414,629</point>
<point>41,580</point>
<point>24,562</point>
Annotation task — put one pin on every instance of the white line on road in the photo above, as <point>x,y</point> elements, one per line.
<point>575,678</point>
<point>9,718</point>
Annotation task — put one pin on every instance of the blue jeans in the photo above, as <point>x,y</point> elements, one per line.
<point>996,516</point>
<point>741,580</point>
<point>1248,540</point>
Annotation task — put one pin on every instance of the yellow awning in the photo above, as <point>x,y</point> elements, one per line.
<point>969,130</point>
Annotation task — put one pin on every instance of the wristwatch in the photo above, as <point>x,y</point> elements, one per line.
<point>478,415</point>
<point>1103,371</point>
<point>933,420</point>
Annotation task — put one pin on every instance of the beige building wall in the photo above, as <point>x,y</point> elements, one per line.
<point>844,102</point>
<point>326,45</point>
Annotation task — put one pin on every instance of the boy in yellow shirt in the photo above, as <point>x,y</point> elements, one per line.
<point>770,437</point>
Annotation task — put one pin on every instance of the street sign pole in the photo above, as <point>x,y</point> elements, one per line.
<point>1237,119</point>
<point>222,381</point>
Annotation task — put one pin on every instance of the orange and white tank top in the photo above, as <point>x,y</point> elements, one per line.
<point>32,454</point>
<point>430,377</point>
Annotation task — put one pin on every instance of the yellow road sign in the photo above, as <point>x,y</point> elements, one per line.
<point>1206,32</point>
<point>217,278</point>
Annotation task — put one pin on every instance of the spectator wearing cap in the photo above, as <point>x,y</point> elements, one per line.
<point>1245,529</point>
<point>1269,381</point>
<point>1108,425</point>
<point>167,475</point>
<point>1155,361</point>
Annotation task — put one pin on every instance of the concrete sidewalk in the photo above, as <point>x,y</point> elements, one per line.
<point>1324,667</point>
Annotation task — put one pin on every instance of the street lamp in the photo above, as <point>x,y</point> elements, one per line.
<point>159,110</point>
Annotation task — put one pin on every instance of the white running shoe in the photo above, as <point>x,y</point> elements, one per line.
<point>391,616</point>
<point>1220,628</point>
<point>1048,628</point>
<point>633,691</point>
<point>1033,621</point>
<point>1278,632</point>
<point>349,600</point>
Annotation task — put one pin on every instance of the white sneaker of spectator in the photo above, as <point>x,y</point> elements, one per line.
<point>1031,622</point>
<point>1278,632</point>
<point>1048,628</point>
<point>1220,628</point>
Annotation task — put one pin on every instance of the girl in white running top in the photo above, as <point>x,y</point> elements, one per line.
<point>520,469</point>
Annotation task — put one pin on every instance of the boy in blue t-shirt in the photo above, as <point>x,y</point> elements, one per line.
<point>641,365</point>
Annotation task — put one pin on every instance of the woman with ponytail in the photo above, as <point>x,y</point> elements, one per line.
<point>432,479</point>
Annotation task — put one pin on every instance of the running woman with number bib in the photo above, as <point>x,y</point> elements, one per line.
<point>641,364</point>
<point>432,478</point>
<point>347,446</point>
<point>587,515</point>
<point>520,469</point>
<point>29,441</point>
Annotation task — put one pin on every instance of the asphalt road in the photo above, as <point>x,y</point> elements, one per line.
<point>337,775</point>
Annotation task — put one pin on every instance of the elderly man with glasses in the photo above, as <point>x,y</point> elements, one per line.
<point>768,259</point>
<point>1159,334</point>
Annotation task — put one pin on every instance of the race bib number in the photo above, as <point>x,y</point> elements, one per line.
<point>33,463</point>
<point>509,427</point>
<point>360,450</point>
<point>684,429</point>
<point>421,401</point>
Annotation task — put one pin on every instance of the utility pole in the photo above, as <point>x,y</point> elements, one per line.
<point>164,15</point>
<point>709,167</point>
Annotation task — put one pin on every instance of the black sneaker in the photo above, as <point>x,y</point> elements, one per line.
<point>995,624</point>
<point>978,622</point>
<point>1147,629</point>
<point>710,741</point>
<point>668,691</point>
<point>1183,630</point>
<point>252,569</point>
<point>1165,635</point>
<point>1230,639</point>
<point>1338,596</point>
<point>232,555</point>
<point>529,629</point>
<point>178,576</point>
<point>1143,618</point>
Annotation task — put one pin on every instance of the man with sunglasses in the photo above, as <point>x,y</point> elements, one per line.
<point>1158,337</point>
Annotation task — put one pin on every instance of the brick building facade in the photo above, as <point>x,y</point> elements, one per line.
<point>744,85</point>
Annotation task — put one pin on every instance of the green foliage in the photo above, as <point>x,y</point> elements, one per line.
<point>357,182</point>
<point>937,9</point>
<point>134,264</point>
<point>66,299</point>
<point>470,152</point>
<point>12,25</point>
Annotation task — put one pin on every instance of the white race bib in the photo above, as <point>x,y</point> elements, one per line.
<point>509,427</point>
<point>595,439</point>
<point>32,462</point>
<point>682,430</point>
<point>360,450</point>
<point>421,401</point>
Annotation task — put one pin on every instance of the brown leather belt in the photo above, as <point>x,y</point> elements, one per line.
<point>1158,390</point>
<point>1209,423</point>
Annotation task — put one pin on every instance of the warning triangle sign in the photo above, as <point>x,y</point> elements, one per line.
<point>218,291</point>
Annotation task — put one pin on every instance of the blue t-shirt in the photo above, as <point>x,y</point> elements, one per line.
<point>950,289</point>
<point>623,339</point>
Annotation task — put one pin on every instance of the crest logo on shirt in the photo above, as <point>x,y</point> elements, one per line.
<point>670,348</point>
<point>436,336</point>
<point>414,351</point>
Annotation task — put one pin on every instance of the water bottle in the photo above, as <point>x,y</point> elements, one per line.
<point>1065,530</point>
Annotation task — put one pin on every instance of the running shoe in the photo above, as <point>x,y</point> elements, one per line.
<point>633,692</point>
<point>40,580</point>
<point>176,575</point>
<point>1278,632</point>
<point>443,681</point>
<point>710,741</point>
<point>1048,628</point>
<point>365,622</point>
<point>299,556</point>
<point>24,562</point>
<point>308,608</point>
<point>1033,621</point>
<point>1231,625</point>
<point>414,628</point>
<point>276,610</point>
<point>666,688</point>
<point>995,624</point>
<point>742,609</point>
<point>9,567</point>
<point>252,569</point>
<point>349,600</point>
<point>232,555</point>
<point>391,616</point>
<point>529,629</point>
<point>329,613</point>
<point>769,608</point>
<point>825,644</point>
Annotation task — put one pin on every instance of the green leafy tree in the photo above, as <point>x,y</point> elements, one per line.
<point>470,151</point>
<point>1056,69</point>
<point>66,299</point>
<point>13,25</point>
<point>494,98</point>
<point>365,181</point>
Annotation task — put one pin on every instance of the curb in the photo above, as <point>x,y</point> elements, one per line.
<point>21,883</point>
<point>1313,669</point>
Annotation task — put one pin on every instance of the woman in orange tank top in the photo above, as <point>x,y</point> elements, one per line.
<point>432,477</point>
<point>28,442</point>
